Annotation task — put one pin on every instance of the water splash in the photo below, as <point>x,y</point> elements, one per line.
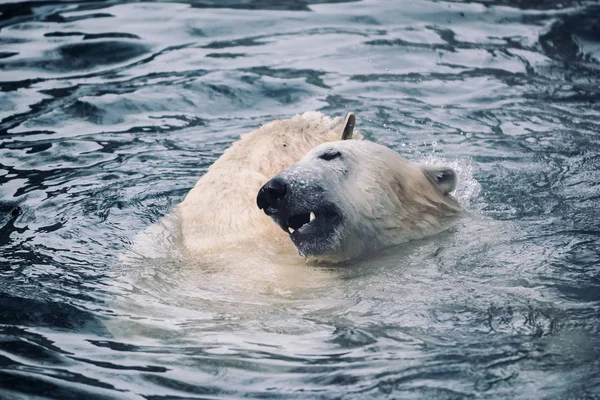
<point>469,189</point>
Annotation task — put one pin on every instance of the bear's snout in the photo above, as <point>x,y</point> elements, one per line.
<point>270,195</point>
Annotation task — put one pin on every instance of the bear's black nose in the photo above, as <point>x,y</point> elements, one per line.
<point>270,195</point>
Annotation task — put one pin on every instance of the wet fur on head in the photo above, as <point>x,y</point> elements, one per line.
<point>371,197</point>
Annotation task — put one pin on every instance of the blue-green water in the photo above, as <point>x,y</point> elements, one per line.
<point>111,110</point>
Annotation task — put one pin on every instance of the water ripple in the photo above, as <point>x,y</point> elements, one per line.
<point>111,110</point>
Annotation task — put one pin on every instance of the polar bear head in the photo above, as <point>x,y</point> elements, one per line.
<point>347,198</point>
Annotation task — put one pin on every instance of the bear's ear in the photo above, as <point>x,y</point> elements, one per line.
<point>444,178</point>
<point>349,123</point>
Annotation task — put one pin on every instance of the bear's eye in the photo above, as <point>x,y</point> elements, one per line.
<point>330,155</point>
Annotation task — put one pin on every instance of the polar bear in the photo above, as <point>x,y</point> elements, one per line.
<point>335,198</point>
<point>219,215</point>
<point>345,199</point>
<point>289,187</point>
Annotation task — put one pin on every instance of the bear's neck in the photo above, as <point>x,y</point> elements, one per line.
<point>222,209</point>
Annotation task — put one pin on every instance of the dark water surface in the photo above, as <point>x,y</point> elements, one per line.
<point>111,110</point>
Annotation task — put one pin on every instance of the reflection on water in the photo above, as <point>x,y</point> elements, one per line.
<point>111,110</point>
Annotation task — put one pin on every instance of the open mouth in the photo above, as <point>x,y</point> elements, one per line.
<point>312,232</point>
<point>298,221</point>
<point>311,223</point>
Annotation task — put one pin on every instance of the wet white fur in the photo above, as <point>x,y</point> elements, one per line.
<point>219,216</point>
<point>384,199</point>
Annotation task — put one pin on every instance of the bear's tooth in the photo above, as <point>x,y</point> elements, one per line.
<point>291,230</point>
<point>312,216</point>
